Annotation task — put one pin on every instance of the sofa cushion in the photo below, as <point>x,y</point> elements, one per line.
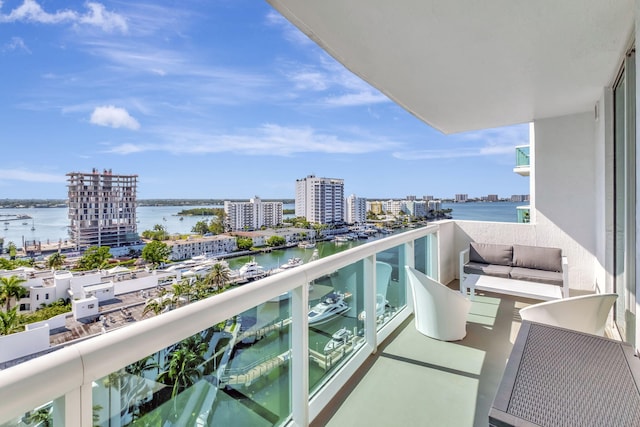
<point>488,269</point>
<point>538,258</point>
<point>538,276</point>
<point>488,253</point>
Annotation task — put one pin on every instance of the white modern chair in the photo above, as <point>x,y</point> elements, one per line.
<point>586,313</point>
<point>440,312</point>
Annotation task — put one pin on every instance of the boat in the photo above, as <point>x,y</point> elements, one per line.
<point>338,339</point>
<point>292,262</point>
<point>340,239</point>
<point>250,270</point>
<point>306,245</point>
<point>330,306</point>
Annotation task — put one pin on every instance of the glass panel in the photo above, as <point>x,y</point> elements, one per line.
<point>625,190</point>
<point>391,293</point>
<point>336,323</point>
<point>522,156</point>
<point>426,255</point>
<point>49,414</point>
<point>234,373</point>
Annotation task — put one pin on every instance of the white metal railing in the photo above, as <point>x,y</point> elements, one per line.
<point>70,372</point>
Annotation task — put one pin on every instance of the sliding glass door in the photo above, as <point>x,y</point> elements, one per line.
<point>625,198</point>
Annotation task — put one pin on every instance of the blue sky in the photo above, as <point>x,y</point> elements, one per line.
<point>213,99</point>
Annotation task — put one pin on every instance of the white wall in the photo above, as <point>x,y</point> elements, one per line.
<point>566,192</point>
<point>21,344</point>
<point>58,321</point>
<point>84,307</point>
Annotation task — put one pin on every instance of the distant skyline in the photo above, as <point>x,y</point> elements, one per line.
<point>213,100</point>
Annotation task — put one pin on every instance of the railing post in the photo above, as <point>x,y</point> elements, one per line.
<point>300,355</point>
<point>409,259</point>
<point>370,324</point>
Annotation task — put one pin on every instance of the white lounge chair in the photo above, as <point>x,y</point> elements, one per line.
<point>440,312</point>
<point>583,314</point>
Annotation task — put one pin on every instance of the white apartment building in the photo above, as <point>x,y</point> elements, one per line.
<point>320,200</point>
<point>253,214</point>
<point>102,208</point>
<point>434,205</point>
<point>417,208</point>
<point>394,207</point>
<point>210,245</point>
<point>355,210</point>
<point>461,198</point>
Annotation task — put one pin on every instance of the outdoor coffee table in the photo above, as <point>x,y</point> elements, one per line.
<point>556,377</point>
<point>500,285</point>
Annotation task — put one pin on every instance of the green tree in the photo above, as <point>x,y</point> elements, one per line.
<point>42,417</point>
<point>183,369</point>
<point>200,227</point>
<point>56,260</point>
<point>9,321</point>
<point>11,248</point>
<point>94,257</point>
<point>219,276</point>
<point>11,287</point>
<point>244,243</point>
<point>156,252</point>
<point>155,306</point>
<point>218,222</point>
<point>159,232</point>
<point>276,241</point>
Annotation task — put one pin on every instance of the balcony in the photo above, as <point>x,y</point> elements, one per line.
<point>523,164</point>
<point>283,368</point>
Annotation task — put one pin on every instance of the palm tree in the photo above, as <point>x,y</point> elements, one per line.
<point>219,276</point>
<point>56,260</point>
<point>9,321</point>
<point>10,287</point>
<point>183,370</point>
<point>41,417</point>
<point>156,305</point>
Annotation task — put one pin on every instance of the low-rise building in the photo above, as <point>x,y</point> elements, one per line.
<point>207,245</point>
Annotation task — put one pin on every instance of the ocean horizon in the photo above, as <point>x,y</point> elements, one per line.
<point>50,225</point>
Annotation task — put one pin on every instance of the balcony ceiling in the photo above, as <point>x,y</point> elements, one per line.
<point>467,64</point>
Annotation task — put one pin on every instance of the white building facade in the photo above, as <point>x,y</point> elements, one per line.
<point>213,245</point>
<point>253,214</point>
<point>355,210</point>
<point>320,200</point>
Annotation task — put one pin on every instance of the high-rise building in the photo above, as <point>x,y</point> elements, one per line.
<point>355,210</point>
<point>253,214</point>
<point>461,198</point>
<point>492,198</point>
<point>102,208</point>
<point>320,200</point>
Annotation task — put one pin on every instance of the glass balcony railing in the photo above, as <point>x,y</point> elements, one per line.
<point>523,160</point>
<point>524,215</point>
<point>263,354</point>
<point>522,156</point>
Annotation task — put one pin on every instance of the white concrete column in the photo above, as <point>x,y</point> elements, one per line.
<point>300,355</point>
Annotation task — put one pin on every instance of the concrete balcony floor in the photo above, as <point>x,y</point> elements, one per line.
<point>414,380</point>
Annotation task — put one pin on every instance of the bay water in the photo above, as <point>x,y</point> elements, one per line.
<point>50,225</point>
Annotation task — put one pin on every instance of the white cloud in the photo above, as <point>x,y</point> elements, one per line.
<point>97,15</point>
<point>113,117</point>
<point>490,142</point>
<point>269,139</point>
<point>30,176</point>
<point>16,43</point>
<point>289,31</point>
<point>354,99</point>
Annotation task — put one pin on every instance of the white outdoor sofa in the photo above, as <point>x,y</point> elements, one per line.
<point>527,271</point>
